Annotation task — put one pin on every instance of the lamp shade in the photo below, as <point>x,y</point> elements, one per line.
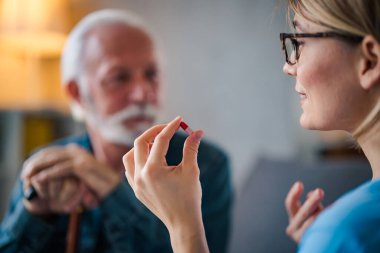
<point>32,36</point>
<point>35,15</point>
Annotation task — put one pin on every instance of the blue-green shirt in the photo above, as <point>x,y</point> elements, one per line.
<point>121,223</point>
<point>351,224</point>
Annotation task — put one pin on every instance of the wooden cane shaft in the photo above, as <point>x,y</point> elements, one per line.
<point>72,232</point>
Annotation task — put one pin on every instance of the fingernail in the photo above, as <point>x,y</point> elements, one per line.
<point>297,185</point>
<point>318,193</point>
<point>198,136</point>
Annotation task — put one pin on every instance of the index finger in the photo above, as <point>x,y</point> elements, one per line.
<point>307,210</point>
<point>292,201</point>
<point>161,144</point>
<point>55,172</point>
<point>143,143</point>
<point>42,160</point>
<point>129,165</point>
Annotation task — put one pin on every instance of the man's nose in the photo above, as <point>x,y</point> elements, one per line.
<point>139,92</point>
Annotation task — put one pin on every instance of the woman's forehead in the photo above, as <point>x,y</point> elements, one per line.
<point>302,24</point>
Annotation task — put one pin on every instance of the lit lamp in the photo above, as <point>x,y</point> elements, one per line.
<point>31,39</point>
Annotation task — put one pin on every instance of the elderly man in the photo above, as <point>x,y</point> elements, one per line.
<point>111,72</point>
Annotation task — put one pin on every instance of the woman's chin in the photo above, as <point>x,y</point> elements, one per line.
<point>307,123</point>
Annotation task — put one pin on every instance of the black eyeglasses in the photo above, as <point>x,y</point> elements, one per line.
<point>290,45</point>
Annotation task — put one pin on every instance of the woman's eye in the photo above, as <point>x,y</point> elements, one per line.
<point>297,44</point>
<point>300,43</point>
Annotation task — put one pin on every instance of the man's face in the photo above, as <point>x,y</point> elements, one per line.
<point>121,75</point>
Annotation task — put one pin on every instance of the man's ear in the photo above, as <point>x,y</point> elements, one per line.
<point>73,91</point>
<point>369,67</point>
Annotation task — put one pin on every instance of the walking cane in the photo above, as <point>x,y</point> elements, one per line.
<point>72,236</point>
<point>73,229</point>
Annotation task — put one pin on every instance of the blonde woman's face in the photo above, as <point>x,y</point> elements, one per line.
<point>327,81</point>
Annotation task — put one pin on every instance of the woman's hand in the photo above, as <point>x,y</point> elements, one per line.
<point>301,216</point>
<point>172,193</point>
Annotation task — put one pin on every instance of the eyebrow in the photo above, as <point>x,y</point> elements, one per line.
<point>296,25</point>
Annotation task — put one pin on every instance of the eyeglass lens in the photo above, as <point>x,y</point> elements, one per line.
<point>291,50</point>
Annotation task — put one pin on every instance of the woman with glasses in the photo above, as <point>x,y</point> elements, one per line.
<point>334,54</point>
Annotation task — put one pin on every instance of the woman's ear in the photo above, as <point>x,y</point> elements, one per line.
<point>73,91</point>
<point>369,67</point>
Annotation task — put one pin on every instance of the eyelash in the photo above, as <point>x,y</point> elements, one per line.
<point>300,42</point>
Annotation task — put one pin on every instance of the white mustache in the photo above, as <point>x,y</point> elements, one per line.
<point>148,111</point>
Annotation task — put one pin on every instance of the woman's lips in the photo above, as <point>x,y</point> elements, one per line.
<point>302,95</point>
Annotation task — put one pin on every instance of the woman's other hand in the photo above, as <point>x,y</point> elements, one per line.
<point>302,215</point>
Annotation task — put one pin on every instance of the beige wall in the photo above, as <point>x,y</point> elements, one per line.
<point>224,74</point>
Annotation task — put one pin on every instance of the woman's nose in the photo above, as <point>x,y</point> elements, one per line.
<point>290,70</point>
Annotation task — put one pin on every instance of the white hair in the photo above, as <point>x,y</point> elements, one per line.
<point>71,60</point>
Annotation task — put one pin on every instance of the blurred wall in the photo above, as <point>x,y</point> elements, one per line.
<point>10,154</point>
<point>224,73</point>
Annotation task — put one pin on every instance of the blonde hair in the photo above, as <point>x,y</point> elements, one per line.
<point>356,17</point>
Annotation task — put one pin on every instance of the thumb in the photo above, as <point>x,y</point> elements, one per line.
<point>190,148</point>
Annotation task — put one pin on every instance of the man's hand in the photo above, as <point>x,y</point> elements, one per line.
<point>301,216</point>
<point>66,178</point>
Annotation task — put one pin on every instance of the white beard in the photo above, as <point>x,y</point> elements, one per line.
<point>112,129</point>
